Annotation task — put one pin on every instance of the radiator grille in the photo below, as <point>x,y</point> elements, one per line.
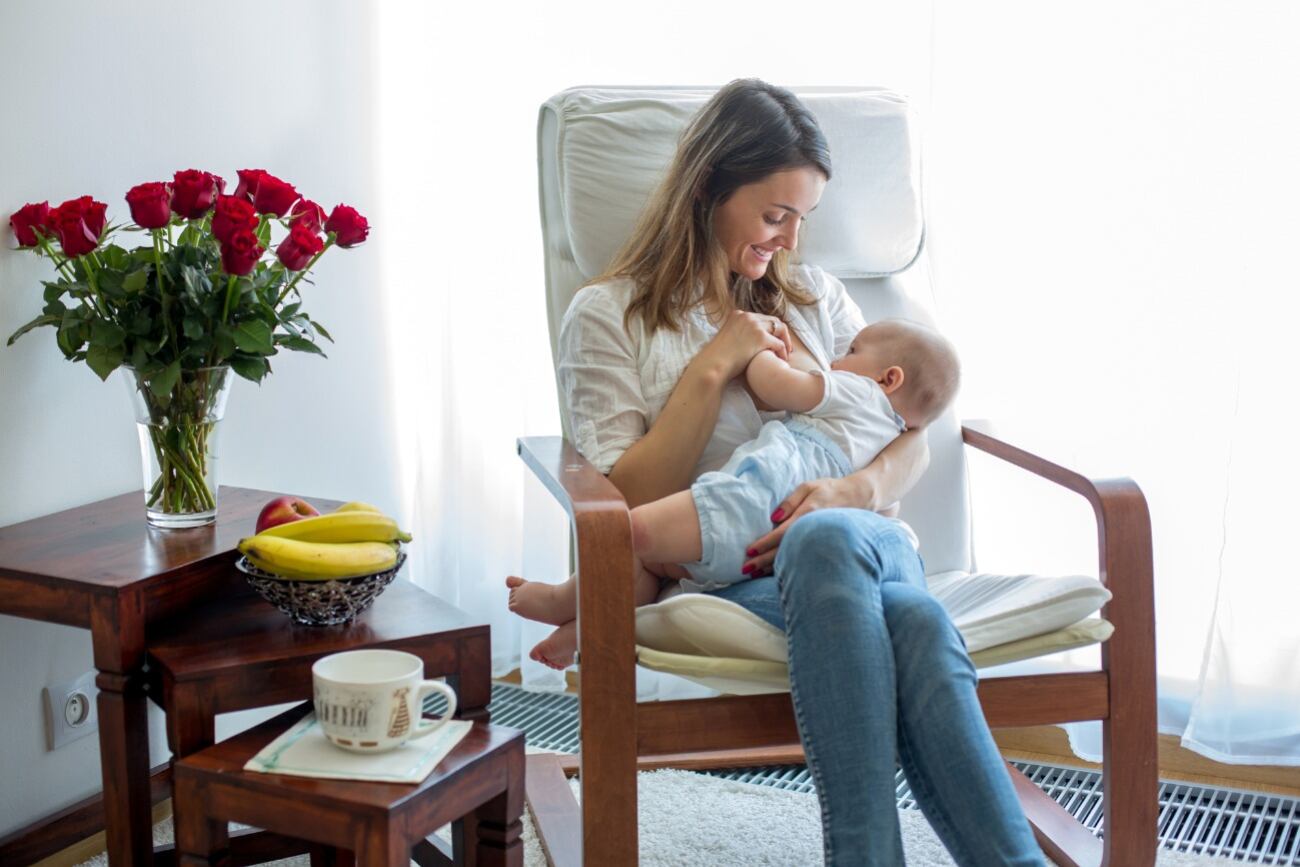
<point>1203,820</point>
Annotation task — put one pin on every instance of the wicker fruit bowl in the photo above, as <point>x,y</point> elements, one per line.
<point>320,602</point>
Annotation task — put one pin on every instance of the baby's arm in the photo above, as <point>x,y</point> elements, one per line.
<point>781,386</point>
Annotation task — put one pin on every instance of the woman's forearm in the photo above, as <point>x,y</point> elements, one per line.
<point>893,473</point>
<point>663,461</point>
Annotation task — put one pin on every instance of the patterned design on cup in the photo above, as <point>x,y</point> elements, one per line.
<point>399,719</point>
<point>350,712</point>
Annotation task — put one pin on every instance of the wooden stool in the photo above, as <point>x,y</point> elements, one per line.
<point>239,652</point>
<point>480,783</point>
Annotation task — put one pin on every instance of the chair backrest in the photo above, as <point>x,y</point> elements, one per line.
<point>602,150</point>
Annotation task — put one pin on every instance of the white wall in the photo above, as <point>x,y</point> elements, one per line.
<point>99,97</point>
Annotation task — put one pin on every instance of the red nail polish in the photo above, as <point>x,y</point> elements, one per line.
<point>752,552</point>
<point>747,570</point>
<point>778,515</point>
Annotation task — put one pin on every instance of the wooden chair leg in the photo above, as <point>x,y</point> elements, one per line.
<point>1062,837</point>
<point>1130,791</point>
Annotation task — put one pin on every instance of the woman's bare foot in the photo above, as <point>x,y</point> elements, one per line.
<point>555,604</point>
<point>557,649</point>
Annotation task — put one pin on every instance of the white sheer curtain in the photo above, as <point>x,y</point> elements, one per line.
<point>1112,201</point>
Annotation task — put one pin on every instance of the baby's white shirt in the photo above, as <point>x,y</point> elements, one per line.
<point>856,414</point>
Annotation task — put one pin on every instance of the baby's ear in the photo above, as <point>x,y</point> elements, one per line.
<point>891,379</point>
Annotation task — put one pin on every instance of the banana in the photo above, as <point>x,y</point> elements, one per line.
<point>317,561</point>
<point>355,526</point>
<point>356,506</point>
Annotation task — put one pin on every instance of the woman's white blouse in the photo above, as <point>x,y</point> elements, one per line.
<point>615,383</point>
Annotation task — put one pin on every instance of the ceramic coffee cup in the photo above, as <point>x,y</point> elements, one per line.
<point>369,701</point>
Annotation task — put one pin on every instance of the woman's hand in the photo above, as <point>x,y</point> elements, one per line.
<point>742,336</point>
<point>808,497</point>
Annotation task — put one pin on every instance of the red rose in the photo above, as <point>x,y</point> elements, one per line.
<point>30,219</point>
<point>349,227</point>
<point>240,253</point>
<point>78,223</point>
<point>231,215</point>
<point>308,213</point>
<point>193,192</point>
<point>247,186</point>
<point>297,250</point>
<point>151,204</point>
<point>269,194</point>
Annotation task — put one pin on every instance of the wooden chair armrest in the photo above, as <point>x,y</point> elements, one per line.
<point>1123,522</point>
<point>602,529</point>
<point>572,479</point>
<point>1124,551</point>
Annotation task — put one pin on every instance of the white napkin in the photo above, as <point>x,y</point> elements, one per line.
<point>304,751</point>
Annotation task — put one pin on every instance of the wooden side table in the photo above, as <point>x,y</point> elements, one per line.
<point>101,567</point>
<point>239,652</point>
<point>481,783</point>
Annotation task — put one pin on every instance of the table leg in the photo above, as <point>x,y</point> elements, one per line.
<point>191,727</point>
<point>117,633</point>
<point>474,678</point>
<point>497,825</point>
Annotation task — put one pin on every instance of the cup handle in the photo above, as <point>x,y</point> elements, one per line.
<point>426,726</point>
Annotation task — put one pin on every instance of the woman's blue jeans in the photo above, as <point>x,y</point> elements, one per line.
<point>878,671</point>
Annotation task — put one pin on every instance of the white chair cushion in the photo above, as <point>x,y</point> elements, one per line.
<point>989,610</point>
<point>758,676</point>
<point>614,144</point>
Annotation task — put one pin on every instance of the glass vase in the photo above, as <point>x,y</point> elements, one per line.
<point>178,429</point>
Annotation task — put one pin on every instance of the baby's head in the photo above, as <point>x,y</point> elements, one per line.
<point>914,365</point>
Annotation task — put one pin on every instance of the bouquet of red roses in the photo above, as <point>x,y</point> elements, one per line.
<point>202,296</point>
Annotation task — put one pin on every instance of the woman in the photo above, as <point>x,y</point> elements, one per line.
<point>648,365</point>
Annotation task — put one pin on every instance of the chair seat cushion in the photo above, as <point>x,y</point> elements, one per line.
<point>756,676</point>
<point>989,610</point>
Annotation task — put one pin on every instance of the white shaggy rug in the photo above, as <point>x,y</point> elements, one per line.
<point>688,818</point>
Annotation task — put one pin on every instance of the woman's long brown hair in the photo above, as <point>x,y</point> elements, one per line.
<point>747,131</point>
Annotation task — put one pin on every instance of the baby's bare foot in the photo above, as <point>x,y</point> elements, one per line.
<point>546,603</point>
<point>557,649</point>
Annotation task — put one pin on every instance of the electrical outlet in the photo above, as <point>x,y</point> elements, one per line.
<point>70,710</point>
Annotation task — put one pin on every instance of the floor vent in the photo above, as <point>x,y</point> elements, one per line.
<point>1203,820</point>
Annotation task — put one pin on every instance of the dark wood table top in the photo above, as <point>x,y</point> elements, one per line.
<point>107,548</point>
<point>243,631</point>
<point>225,761</point>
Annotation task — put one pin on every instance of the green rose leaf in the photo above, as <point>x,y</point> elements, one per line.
<point>193,327</point>
<point>254,336</point>
<point>54,291</point>
<point>161,384</point>
<point>106,334</point>
<point>141,324</point>
<point>48,319</point>
<point>114,257</point>
<point>250,367</point>
<point>110,284</point>
<point>321,328</point>
<point>224,342</point>
<point>136,280</point>
<point>104,359</point>
<point>299,344</point>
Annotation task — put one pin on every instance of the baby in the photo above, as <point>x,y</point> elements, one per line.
<point>896,375</point>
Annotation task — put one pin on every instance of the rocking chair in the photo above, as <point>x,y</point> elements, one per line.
<point>601,151</point>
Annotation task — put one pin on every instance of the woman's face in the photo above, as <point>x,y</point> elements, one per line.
<point>765,216</point>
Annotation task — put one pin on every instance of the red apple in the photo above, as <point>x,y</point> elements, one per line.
<point>282,510</point>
